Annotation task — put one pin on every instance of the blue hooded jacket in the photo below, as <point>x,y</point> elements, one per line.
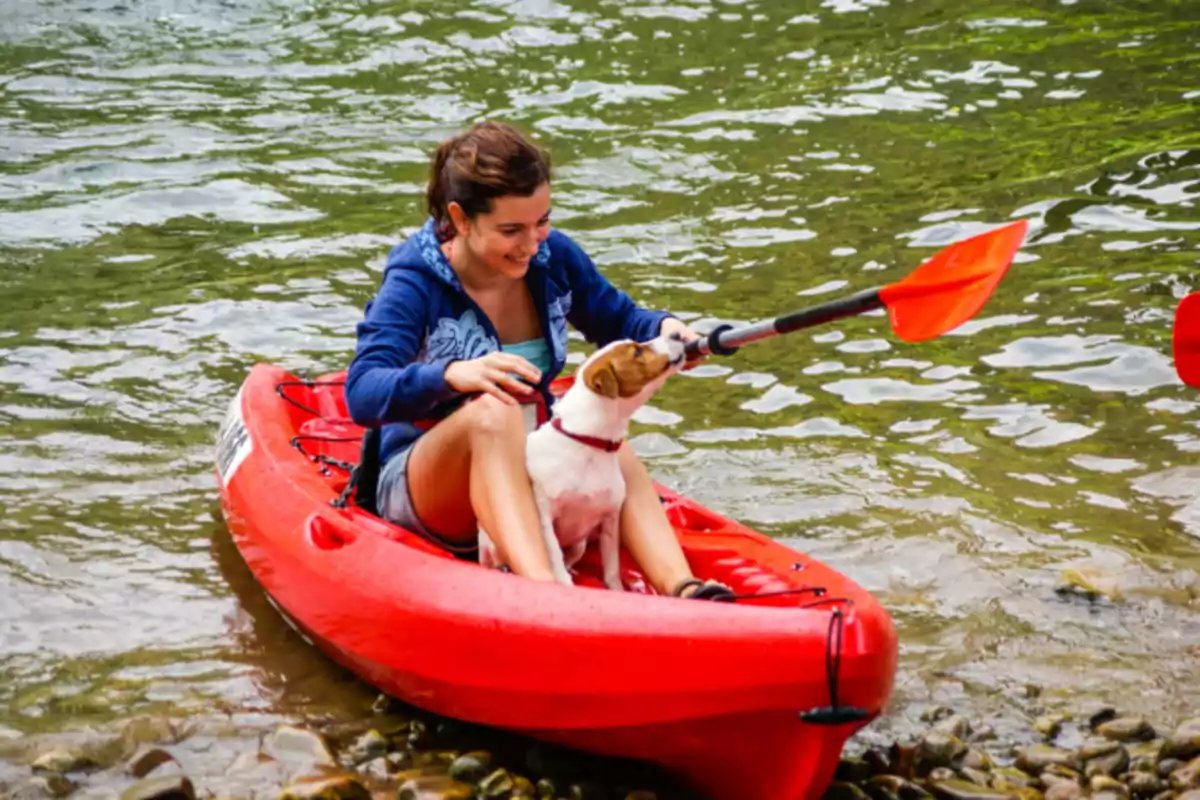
<point>422,319</point>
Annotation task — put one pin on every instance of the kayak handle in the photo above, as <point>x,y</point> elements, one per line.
<point>834,714</point>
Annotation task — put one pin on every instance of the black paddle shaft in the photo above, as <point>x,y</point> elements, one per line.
<point>725,339</point>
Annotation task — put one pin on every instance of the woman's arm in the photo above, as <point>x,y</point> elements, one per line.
<point>383,384</point>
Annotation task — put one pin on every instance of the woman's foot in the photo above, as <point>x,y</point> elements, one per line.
<point>704,590</point>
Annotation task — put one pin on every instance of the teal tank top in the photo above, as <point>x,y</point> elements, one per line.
<point>534,351</point>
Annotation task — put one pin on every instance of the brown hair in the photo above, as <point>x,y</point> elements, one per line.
<point>487,161</point>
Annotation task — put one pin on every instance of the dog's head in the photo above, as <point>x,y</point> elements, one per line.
<point>629,370</point>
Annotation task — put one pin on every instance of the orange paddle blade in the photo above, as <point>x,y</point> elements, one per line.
<point>1185,339</point>
<point>950,288</point>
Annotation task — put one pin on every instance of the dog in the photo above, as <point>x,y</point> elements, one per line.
<point>573,463</point>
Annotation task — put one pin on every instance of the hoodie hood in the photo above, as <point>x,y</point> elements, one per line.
<point>423,252</point>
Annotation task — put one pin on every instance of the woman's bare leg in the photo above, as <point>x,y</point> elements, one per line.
<point>645,530</point>
<point>479,452</point>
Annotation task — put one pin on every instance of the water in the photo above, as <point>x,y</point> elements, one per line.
<point>189,187</point>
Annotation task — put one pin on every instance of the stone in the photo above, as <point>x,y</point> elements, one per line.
<point>841,790</point>
<point>172,787</point>
<point>1126,729</point>
<point>936,713</point>
<point>1068,790</point>
<point>1112,763</point>
<point>963,790</point>
<point>1034,760</point>
<point>641,794</point>
<point>1186,777</point>
<point>1193,794</point>
<point>1048,725</point>
<point>39,787</point>
<point>1098,715</point>
<point>957,726</point>
<point>146,760</point>
<point>978,759</point>
<point>371,744</point>
<point>1145,784</point>
<point>1184,743</point>
<point>435,787</point>
<point>336,787</point>
<point>1103,783</point>
<point>546,788</point>
<point>523,787</point>
<point>299,745</point>
<point>937,749</point>
<point>1012,778</point>
<point>497,784</point>
<point>982,733</point>
<point>944,774</point>
<point>471,767</point>
<point>62,761</point>
<point>975,776</point>
<point>894,786</point>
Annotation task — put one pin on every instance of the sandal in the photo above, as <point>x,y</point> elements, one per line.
<point>704,590</point>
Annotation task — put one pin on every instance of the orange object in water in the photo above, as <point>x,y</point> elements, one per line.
<point>742,701</point>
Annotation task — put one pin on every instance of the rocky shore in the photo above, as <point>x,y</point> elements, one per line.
<point>397,753</point>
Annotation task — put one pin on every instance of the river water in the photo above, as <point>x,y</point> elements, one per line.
<point>188,187</point>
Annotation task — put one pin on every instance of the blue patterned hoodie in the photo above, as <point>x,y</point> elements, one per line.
<point>422,319</point>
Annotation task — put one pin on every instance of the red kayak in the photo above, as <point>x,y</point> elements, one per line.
<point>745,700</point>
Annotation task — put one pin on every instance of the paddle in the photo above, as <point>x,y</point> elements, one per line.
<point>1185,339</point>
<point>938,296</point>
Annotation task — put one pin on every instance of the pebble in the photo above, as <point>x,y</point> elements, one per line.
<point>1126,729</point>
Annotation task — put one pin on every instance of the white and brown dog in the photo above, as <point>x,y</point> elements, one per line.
<point>573,461</point>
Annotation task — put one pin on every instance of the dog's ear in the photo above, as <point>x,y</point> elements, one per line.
<point>602,379</point>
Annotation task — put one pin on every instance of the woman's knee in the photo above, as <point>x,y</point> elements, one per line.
<point>492,419</point>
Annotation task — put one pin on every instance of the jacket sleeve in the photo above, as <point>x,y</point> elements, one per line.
<point>384,383</point>
<point>600,311</point>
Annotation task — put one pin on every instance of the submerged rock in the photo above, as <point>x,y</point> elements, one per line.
<point>371,744</point>
<point>173,787</point>
<point>62,761</point>
<point>1126,729</point>
<point>471,767</point>
<point>146,760</point>
<point>299,746</point>
<point>338,787</point>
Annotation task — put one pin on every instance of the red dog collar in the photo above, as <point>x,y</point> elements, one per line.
<point>607,445</point>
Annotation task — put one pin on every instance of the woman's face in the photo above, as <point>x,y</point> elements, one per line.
<point>508,236</point>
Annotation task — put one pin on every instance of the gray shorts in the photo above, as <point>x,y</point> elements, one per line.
<point>394,500</point>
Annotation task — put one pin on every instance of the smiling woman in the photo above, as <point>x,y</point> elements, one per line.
<point>474,306</point>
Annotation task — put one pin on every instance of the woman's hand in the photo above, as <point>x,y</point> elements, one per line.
<point>493,374</point>
<point>672,325</point>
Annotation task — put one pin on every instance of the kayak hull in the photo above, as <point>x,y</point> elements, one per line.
<point>713,692</point>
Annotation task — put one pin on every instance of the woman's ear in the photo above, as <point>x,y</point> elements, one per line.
<point>458,218</point>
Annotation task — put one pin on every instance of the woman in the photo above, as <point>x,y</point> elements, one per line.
<point>476,303</point>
